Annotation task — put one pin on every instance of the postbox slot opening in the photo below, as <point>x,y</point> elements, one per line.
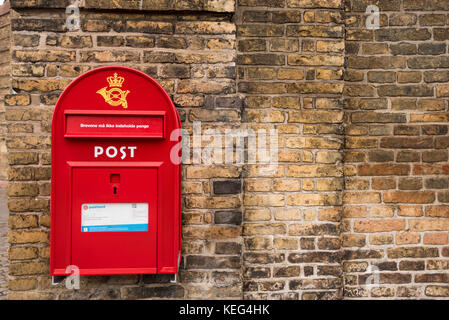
<point>115,190</point>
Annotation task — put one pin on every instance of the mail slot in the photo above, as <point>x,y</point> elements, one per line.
<point>116,184</point>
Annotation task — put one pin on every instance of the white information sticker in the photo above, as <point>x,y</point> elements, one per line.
<point>104,217</point>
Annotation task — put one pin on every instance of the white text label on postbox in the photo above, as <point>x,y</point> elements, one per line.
<point>115,152</point>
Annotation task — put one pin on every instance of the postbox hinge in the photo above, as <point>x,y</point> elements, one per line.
<point>175,278</point>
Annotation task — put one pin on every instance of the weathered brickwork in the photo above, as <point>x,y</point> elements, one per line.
<point>291,57</point>
<point>359,193</point>
<point>396,217</point>
<point>5,57</point>
<point>193,58</point>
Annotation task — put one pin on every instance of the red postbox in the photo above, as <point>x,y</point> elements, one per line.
<point>116,176</point>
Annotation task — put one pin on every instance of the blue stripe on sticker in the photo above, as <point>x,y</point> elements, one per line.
<point>119,227</point>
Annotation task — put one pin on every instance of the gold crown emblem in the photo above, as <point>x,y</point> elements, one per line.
<point>115,81</point>
<point>115,96</point>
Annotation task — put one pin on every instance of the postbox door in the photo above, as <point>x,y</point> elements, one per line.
<point>114,220</point>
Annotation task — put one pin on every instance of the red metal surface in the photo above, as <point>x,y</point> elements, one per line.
<point>115,164</point>
<point>106,125</point>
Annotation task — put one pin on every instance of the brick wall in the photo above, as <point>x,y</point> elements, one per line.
<point>290,57</point>
<point>396,216</point>
<point>361,116</point>
<point>193,58</point>
<point>5,57</point>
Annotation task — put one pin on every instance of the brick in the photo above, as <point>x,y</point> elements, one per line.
<point>409,142</point>
<point>228,217</point>
<point>250,45</point>
<point>431,48</point>
<point>437,211</point>
<point>110,56</point>
<point>28,268</point>
<point>22,253</point>
<point>383,169</point>
<point>410,183</point>
<point>23,284</point>
<point>314,60</point>
<point>379,226</point>
<point>437,291</point>
<point>140,41</point>
<point>436,238</point>
<point>43,56</point>
<point>258,243</point>
<point>216,202</point>
<point>429,225</point>
<point>381,211</point>
<point>285,244</point>
<point>412,252</point>
<point>314,31</point>
<point>260,30</point>
<point>149,26</point>
<point>261,59</point>
<point>316,88</point>
<point>376,62</point>
<point>402,19</point>
<point>432,20</point>
<point>428,62</point>
<point>381,239</point>
<point>409,197</point>
<point>408,238</point>
<point>17,100</point>
<point>353,240</point>
<point>203,27</point>
<point>398,34</point>
<point>312,229</point>
<point>403,48</point>
<point>407,90</point>
<point>377,117</point>
<point>171,291</point>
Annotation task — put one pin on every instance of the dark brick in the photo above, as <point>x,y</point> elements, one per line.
<point>250,45</point>
<point>263,258</point>
<point>172,291</point>
<point>407,142</point>
<point>36,25</point>
<point>408,156</point>
<point>431,48</point>
<point>228,248</point>
<point>291,271</point>
<point>411,265</point>
<point>228,217</point>
<point>387,265</point>
<point>406,130</point>
<point>380,155</point>
<point>405,91</point>
<point>212,262</point>
<point>261,58</point>
<point>410,183</point>
<point>435,129</point>
<point>403,49</point>
<point>227,187</point>
<point>434,277</point>
<point>399,34</point>
<point>314,257</point>
<point>257,272</point>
